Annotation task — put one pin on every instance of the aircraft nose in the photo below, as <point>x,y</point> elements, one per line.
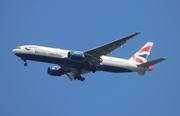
<point>14,51</point>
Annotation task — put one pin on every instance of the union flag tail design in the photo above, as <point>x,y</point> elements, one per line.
<point>141,56</point>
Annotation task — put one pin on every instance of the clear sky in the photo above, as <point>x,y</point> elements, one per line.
<point>82,25</point>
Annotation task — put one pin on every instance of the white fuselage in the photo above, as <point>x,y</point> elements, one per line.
<point>59,56</point>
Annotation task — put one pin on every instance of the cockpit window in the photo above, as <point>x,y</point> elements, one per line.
<point>18,47</point>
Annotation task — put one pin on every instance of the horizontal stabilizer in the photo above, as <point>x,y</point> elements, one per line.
<point>153,62</point>
<point>141,72</point>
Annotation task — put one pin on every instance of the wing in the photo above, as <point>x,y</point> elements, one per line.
<point>74,74</point>
<point>108,48</point>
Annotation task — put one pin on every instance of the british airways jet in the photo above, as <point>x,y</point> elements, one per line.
<point>76,63</point>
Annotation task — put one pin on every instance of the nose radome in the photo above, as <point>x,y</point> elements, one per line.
<point>13,51</point>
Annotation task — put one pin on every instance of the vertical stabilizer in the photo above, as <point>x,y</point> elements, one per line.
<point>142,55</point>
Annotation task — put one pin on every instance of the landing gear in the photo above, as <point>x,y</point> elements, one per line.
<point>93,69</point>
<point>25,62</point>
<point>80,78</point>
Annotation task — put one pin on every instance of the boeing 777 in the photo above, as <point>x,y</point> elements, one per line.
<point>76,63</point>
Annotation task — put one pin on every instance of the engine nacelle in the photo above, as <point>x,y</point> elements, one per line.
<point>55,71</point>
<point>75,55</point>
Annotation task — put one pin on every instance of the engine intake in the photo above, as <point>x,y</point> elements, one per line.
<point>55,71</point>
<point>75,55</point>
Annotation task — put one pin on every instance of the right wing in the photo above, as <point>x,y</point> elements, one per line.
<point>93,56</point>
<point>109,47</point>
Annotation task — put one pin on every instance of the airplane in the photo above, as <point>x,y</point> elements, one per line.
<point>76,63</point>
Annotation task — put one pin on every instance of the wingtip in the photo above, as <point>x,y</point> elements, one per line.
<point>137,32</point>
<point>164,58</point>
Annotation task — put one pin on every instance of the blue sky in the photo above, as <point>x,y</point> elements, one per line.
<point>82,25</point>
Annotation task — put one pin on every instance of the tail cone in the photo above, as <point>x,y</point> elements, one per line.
<point>150,68</point>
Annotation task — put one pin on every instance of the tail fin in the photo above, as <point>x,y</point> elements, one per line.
<point>141,56</point>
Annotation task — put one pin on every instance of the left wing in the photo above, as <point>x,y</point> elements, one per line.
<point>75,74</point>
<point>72,75</point>
<point>108,48</point>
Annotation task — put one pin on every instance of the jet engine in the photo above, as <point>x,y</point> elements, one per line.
<point>75,55</point>
<point>55,71</point>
